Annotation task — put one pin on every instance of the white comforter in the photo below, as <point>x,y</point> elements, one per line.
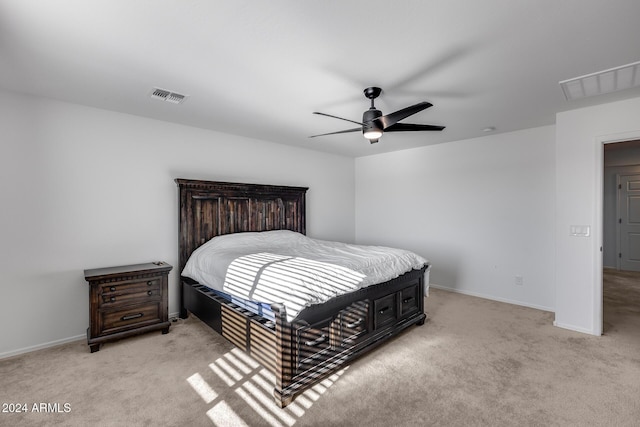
<point>289,268</point>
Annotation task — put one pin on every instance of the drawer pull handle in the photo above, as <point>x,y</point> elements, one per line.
<point>149,293</point>
<point>131,316</point>
<point>149,283</point>
<point>354,324</point>
<point>317,341</point>
<point>112,299</point>
<point>406,300</point>
<point>382,310</point>
<point>112,289</point>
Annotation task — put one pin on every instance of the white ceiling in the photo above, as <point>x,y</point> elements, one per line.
<point>260,68</point>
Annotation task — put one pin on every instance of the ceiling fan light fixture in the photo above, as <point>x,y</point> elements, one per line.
<point>372,134</point>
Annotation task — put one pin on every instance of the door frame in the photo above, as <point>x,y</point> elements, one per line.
<point>599,218</point>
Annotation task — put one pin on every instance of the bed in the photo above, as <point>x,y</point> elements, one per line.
<point>299,347</point>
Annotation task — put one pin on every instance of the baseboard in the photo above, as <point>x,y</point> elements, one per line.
<point>574,328</point>
<point>492,298</point>
<point>49,344</point>
<point>42,346</point>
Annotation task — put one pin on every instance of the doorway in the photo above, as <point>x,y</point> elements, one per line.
<point>620,225</point>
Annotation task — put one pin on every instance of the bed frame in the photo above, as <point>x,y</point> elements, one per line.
<point>322,338</point>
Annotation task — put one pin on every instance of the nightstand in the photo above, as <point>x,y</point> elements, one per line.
<point>127,300</point>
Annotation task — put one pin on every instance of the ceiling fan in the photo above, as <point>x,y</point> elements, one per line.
<point>374,124</point>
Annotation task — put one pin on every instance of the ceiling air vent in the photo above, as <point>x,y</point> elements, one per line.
<point>175,98</point>
<point>165,95</point>
<point>607,81</point>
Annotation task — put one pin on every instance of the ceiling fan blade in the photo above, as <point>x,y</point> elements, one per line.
<point>409,127</point>
<point>340,131</point>
<point>336,117</point>
<point>393,118</point>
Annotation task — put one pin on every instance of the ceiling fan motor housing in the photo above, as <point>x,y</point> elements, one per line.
<point>369,122</point>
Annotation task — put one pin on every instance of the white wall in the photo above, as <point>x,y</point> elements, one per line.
<point>579,159</point>
<point>85,188</point>
<point>481,210</point>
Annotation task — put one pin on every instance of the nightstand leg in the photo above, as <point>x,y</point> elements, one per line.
<point>422,320</point>
<point>94,347</point>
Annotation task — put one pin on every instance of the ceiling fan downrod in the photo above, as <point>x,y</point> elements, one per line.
<point>372,93</point>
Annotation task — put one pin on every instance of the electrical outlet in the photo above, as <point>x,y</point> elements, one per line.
<point>519,281</point>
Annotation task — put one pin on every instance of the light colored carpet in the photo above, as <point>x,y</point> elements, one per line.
<point>475,363</point>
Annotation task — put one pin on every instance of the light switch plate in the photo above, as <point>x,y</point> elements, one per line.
<point>579,230</point>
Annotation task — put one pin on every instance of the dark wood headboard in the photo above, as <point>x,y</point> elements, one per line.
<point>211,208</point>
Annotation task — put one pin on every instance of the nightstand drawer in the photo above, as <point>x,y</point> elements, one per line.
<point>139,295</point>
<point>135,316</point>
<point>120,288</point>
